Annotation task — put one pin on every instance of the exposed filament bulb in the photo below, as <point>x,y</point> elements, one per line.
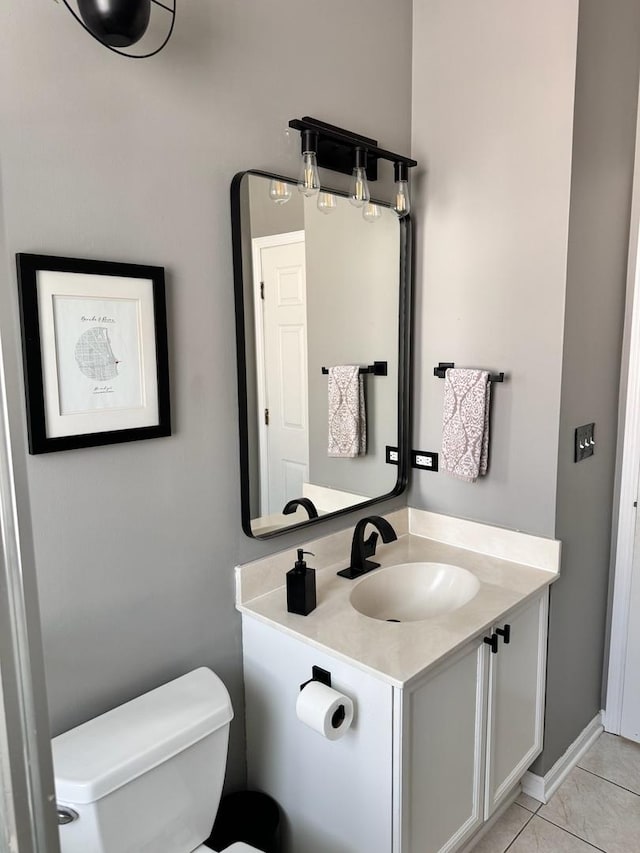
<point>359,195</point>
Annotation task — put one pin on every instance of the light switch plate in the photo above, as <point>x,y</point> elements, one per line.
<point>584,442</point>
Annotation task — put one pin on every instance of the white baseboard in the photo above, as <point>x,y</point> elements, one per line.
<point>543,787</point>
<point>611,723</point>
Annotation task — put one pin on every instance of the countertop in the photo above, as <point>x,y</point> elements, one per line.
<point>398,653</point>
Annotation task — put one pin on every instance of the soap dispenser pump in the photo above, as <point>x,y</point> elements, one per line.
<point>301,586</point>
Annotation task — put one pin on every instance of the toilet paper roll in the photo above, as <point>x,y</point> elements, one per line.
<point>324,709</point>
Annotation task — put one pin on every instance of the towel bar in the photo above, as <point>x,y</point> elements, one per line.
<point>442,367</point>
<point>378,368</point>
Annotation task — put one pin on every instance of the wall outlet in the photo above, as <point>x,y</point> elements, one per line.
<point>392,455</point>
<point>424,459</point>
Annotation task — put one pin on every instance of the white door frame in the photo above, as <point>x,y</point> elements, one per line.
<point>257,245</point>
<point>627,468</point>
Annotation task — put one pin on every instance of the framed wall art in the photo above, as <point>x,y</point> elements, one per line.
<point>94,345</point>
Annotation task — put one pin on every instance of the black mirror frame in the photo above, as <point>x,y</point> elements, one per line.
<point>404,360</point>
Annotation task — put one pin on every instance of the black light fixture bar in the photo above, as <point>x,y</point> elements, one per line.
<point>332,131</point>
<point>337,147</point>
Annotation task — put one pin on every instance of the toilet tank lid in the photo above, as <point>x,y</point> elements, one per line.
<point>105,753</point>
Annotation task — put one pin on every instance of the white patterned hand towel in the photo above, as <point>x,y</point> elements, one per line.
<point>465,423</point>
<point>347,419</point>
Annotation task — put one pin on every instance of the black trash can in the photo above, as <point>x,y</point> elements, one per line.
<point>249,816</point>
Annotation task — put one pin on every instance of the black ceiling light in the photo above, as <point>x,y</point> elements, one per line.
<point>120,24</point>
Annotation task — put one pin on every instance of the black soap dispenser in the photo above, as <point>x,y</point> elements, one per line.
<point>301,587</point>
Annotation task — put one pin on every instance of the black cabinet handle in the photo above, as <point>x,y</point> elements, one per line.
<point>493,642</point>
<point>505,633</point>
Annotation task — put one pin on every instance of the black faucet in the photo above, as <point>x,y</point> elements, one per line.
<point>305,502</point>
<point>361,548</point>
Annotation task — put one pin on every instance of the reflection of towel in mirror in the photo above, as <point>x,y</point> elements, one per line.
<point>347,419</point>
<point>465,423</point>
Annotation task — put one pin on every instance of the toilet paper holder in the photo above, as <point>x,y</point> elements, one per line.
<point>339,707</point>
<point>318,674</point>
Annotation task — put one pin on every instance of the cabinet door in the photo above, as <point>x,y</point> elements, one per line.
<point>443,754</point>
<point>516,700</point>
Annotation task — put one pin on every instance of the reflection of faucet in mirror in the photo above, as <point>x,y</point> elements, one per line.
<point>361,548</point>
<point>292,506</point>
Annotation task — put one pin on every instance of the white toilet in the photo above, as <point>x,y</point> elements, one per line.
<point>147,776</point>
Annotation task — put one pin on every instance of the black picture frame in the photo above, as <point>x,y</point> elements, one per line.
<point>49,306</point>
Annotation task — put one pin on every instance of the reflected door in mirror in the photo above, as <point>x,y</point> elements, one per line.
<point>281,327</point>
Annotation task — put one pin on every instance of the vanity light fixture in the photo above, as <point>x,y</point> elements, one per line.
<point>280,191</point>
<point>360,195</point>
<point>309,181</point>
<point>118,24</point>
<point>327,202</point>
<point>352,154</point>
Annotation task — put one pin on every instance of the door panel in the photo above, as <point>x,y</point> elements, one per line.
<point>516,700</point>
<point>293,378</point>
<point>444,755</point>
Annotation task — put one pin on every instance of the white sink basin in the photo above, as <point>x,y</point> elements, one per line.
<point>410,592</point>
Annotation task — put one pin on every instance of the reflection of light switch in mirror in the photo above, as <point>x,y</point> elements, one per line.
<point>584,442</point>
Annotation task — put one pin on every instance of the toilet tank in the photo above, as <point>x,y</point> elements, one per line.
<point>147,776</point>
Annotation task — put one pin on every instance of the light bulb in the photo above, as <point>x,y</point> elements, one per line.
<point>360,188</point>
<point>327,202</point>
<point>371,212</point>
<point>402,202</point>
<point>279,191</point>
<point>359,194</point>
<point>309,181</point>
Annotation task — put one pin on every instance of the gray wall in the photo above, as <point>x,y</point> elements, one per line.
<point>523,225</point>
<point>352,305</point>
<point>493,87</point>
<point>111,158</point>
<point>603,162</point>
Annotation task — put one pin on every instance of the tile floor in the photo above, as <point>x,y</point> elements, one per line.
<point>597,807</point>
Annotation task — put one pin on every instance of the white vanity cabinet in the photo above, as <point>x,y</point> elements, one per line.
<point>422,767</point>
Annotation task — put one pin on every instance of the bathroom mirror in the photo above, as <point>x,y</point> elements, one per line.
<point>314,290</point>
